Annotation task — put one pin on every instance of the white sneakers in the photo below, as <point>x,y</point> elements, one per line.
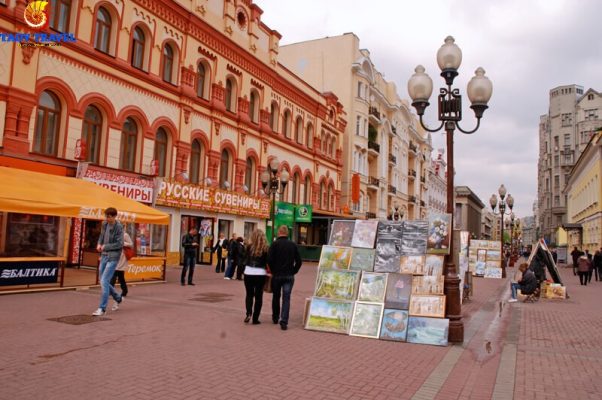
<point>228,279</point>
<point>116,304</point>
<point>98,312</point>
<point>512,301</point>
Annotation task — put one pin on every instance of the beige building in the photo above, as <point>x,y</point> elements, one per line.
<point>437,189</point>
<point>385,151</point>
<point>584,197</point>
<point>467,214</point>
<point>488,225</point>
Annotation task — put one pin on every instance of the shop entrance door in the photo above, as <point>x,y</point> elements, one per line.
<point>204,227</point>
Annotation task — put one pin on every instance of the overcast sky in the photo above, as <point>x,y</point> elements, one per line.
<point>526,47</point>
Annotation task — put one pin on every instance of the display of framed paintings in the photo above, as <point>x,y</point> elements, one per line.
<point>482,255</point>
<point>428,330</point>
<point>427,284</point>
<point>335,257</point>
<point>480,268</point>
<point>394,325</point>
<point>341,233</point>
<point>337,284</point>
<point>494,255</point>
<point>412,264</point>
<point>390,230</point>
<point>366,320</point>
<point>329,315</point>
<point>439,234</point>
<point>372,287</point>
<point>427,306</point>
<point>362,259</point>
<point>493,273</point>
<point>364,233</point>
<point>433,265</point>
<point>399,288</point>
<point>387,255</point>
<point>414,238</point>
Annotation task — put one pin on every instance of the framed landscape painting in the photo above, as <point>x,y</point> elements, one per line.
<point>427,285</point>
<point>335,257</point>
<point>494,255</point>
<point>394,325</point>
<point>438,234</point>
<point>341,233</point>
<point>362,259</point>
<point>427,306</point>
<point>412,264</point>
<point>387,255</point>
<point>479,268</point>
<point>433,265</point>
<point>364,233</point>
<point>329,315</point>
<point>390,230</point>
<point>428,330</point>
<point>493,273</point>
<point>399,288</point>
<point>372,287</point>
<point>337,284</point>
<point>366,320</point>
<point>414,238</point>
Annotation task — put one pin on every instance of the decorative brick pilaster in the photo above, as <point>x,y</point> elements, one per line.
<point>182,154</point>
<point>243,110</point>
<point>213,158</point>
<point>218,97</point>
<point>239,174</point>
<point>264,121</point>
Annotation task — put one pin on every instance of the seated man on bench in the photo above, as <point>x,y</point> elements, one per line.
<point>527,284</point>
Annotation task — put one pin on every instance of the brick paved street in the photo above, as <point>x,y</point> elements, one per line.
<point>165,344</point>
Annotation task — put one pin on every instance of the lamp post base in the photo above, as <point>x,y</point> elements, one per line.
<point>453,306</point>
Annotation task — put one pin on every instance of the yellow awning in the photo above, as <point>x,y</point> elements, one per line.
<point>36,193</point>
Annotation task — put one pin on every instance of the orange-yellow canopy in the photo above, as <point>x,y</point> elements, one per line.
<point>36,193</point>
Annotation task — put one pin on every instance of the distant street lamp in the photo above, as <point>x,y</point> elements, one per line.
<point>396,213</point>
<point>420,88</point>
<point>273,184</point>
<point>493,201</point>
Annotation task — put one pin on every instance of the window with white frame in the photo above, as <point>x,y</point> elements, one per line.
<point>357,125</point>
<point>591,114</point>
<point>567,119</point>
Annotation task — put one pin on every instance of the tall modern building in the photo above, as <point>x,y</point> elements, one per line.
<point>386,154</point>
<point>564,132</point>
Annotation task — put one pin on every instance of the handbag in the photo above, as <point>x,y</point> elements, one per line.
<point>128,252</point>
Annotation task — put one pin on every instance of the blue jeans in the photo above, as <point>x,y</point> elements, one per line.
<point>282,284</point>
<point>230,268</point>
<point>514,287</point>
<point>105,272</point>
<point>189,264</point>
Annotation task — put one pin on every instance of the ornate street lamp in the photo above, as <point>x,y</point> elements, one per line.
<point>420,88</point>
<point>396,213</point>
<point>273,184</point>
<point>502,211</point>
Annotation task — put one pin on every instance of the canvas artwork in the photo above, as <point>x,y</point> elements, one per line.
<point>412,264</point>
<point>433,265</point>
<point>479,268</point>
<point>493,245</point>
<point>362,259</point>
<point>364,233</point>
<point>427,306</point>
<point>494,255</point>
<point>493,264</point>
<point>399,288</point>
<point>414,238</point>
<point>493,273</point>
<point>427,284</point>
<point>439,234</point>
<point>366,320</point>
<point>387,255</point>
<point>556,291</point>
<point>372,287</point>
<point>329,315</point>
<point>390,229</point>
<point>337,284</point>
<point>335,257</point>
<point>481,255</point>
<point>394,325</point>
<point>341,233</point>
<point>428,330</point>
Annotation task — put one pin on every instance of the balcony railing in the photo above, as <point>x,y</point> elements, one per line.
<point>412,173</point>
<point>374,112</point>
<point>374,146</point>
<point>412,199</point>
<point>392,189</point>
<point>392,158</point>
<point>373,181</point>
<point>370,215</point>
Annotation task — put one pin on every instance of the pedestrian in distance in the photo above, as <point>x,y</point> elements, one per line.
<point>284,261</point>
<point>218,249</point>
<point>591,267</point>
<point>190,244</point>
<point>230,245</point>
<point>120,269</point>
<point>583,267</point>
<point>598,263</point>
<point>238,260</point>
<point>255,261</point>
<point>110,246</point>
<point>575,254</point>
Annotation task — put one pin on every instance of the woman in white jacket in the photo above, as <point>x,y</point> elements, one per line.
<point>120,270</point>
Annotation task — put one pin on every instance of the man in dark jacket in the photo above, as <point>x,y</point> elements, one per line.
<point>598,262</point>
<point>284,261</point>
<point>190,244</point>
<point>575,254</point>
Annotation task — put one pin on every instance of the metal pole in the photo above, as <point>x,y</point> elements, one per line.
<point>502,210</point>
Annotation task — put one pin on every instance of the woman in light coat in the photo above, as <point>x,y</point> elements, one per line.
<point>120,270</point>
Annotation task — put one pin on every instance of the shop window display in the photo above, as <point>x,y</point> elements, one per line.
<point>29,235</point>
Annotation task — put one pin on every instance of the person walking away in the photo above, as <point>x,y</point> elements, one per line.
<point>218,249</point>
<point>255,261</point>
<point>190,244</point>
<point>591,267</point>
<point>231,244</point>
<point>284,261</point>
<point>238,260</point>
<point>110,246</point>
<point>583,267</point>
<point>575,254</point>
<point>120,270</point>
<point>598,262</point>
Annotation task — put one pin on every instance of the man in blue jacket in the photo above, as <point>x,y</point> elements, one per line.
<point>110,245</point>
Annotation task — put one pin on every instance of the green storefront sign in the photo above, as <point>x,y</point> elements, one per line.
<point>287,214</point>
<point>303,213</point>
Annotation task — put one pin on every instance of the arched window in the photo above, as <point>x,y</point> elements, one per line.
<point>91,133</point>
<point>48,120</point>
<point>295,186</point>
<point>129,138</point>
<point>202,81</point>
<point>60,14</point>
<point>254,106</point>
<point>168,63</point>
<point>307,192</point>
<point>138,43</point>
<point>309,135</point>
<point>161,150</point>
<point>249,175</point>
<point>274,117</point>
<point>230,95</point>
<point>299,130</point>
<point>102,40</point>
<point>196,152</point>
<point>224,167</point>
<point>286,124</point>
